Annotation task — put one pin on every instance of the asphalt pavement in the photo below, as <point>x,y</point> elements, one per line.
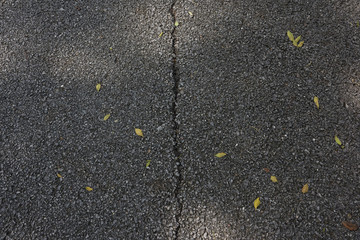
<point>198,78</point>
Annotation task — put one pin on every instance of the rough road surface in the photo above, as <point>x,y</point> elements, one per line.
<point>198,78</point>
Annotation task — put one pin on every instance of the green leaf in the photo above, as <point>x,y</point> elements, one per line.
<point>220,155</point>
<point>290,35</point>
<point>301,44</point>
<point>106,117</point>
<point>98,86</point>
<point>148,163</point>
<point>297,39</point>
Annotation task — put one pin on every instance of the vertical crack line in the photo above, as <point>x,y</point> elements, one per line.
<point>176,78</point>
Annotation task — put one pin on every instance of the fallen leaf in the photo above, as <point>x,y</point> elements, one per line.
<point>273,179</point>
<point>290,35</point>
<point>148,163</point>
<point>305,188</point>
<point>220,155</point>
<point>58,174</point>
<point>106,117</point>
<point>176,23</point>
<point>350,226</point>
<point>316,101</point>
<point>139,132</point>
<point>257,203</point>
<point>89,189</point>
<point>337,140</point>
<point>266,170</point>
<point>301,44</point>
<point>297,39</point>
<point>295,44</point>
<point>98,86</point>
<point>160,35</point>
<point>190,13</point>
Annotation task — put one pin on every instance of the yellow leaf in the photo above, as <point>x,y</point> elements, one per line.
<point>290,35</point>
<point>106,117</point>
<point>89,189</point>
<point>301,44</point>
<point>295,44</point>
<point>148,163</point>
<point>297,39</point>
<point>139,132</point>
<point>337,140</point>
<point>316,101</point>
<point>190,13</point>
<point>273,178</point>
<point>58,174</point>
<point>305,188</point>
<point>257,203</point>
<point>98,86</point>
<point>160,35</point>
<point>176,23</point>
<point>219,155</point>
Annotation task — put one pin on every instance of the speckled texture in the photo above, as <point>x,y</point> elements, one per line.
<point>247,91</point>
<point>53,53</point>
<point>238,86</point>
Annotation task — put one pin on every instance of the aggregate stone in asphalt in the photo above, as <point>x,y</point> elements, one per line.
<point>247,91</point>
<point>52,55</point>
<point>227,79</point>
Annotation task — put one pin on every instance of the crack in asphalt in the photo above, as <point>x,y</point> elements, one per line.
<point>176,78</point>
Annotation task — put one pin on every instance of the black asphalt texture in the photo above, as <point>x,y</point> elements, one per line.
<point>198,78</point>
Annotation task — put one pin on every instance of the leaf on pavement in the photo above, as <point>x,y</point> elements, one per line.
<point>273,179</point>
<point>59,176</point>
<point>148,163</point>
<point>98,86</point>
<point>160,35</point>
<point>290,35</point>
<point>337,140</point>
<point>139,132</point>
<point>316,101</point>
<point>176,23</point>
<point>301,44</point>
<point>220,155</point>
<point>106,117</point>
<point>305,188</point>
<point>190,13</point>
<point>297,39</point>
<point>88,189</point>
<point>256,203</point>
<point>350,226</point>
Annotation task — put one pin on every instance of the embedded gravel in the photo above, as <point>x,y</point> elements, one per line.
<point>226,79</point>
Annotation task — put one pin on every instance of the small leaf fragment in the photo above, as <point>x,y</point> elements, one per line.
<point>59,176</point>
<point>337,140</point>
<point>290,35</point>
<point>350,226</point>
<point>176,23</point>
<point>190,13</point>
<point>139,132</point>
<point>257,203</point>
<point>88,189</point>
<point>220,155</point>
<point>305,188</point>
<point>301,44</point>
<point>316,101</point>
<point>266,170</point>
<point>106,117</point>
<point>297,39</point>
<point>273,179</point>
<point>148,163</point>
<point>98,86</point>
<point>160,35</point>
